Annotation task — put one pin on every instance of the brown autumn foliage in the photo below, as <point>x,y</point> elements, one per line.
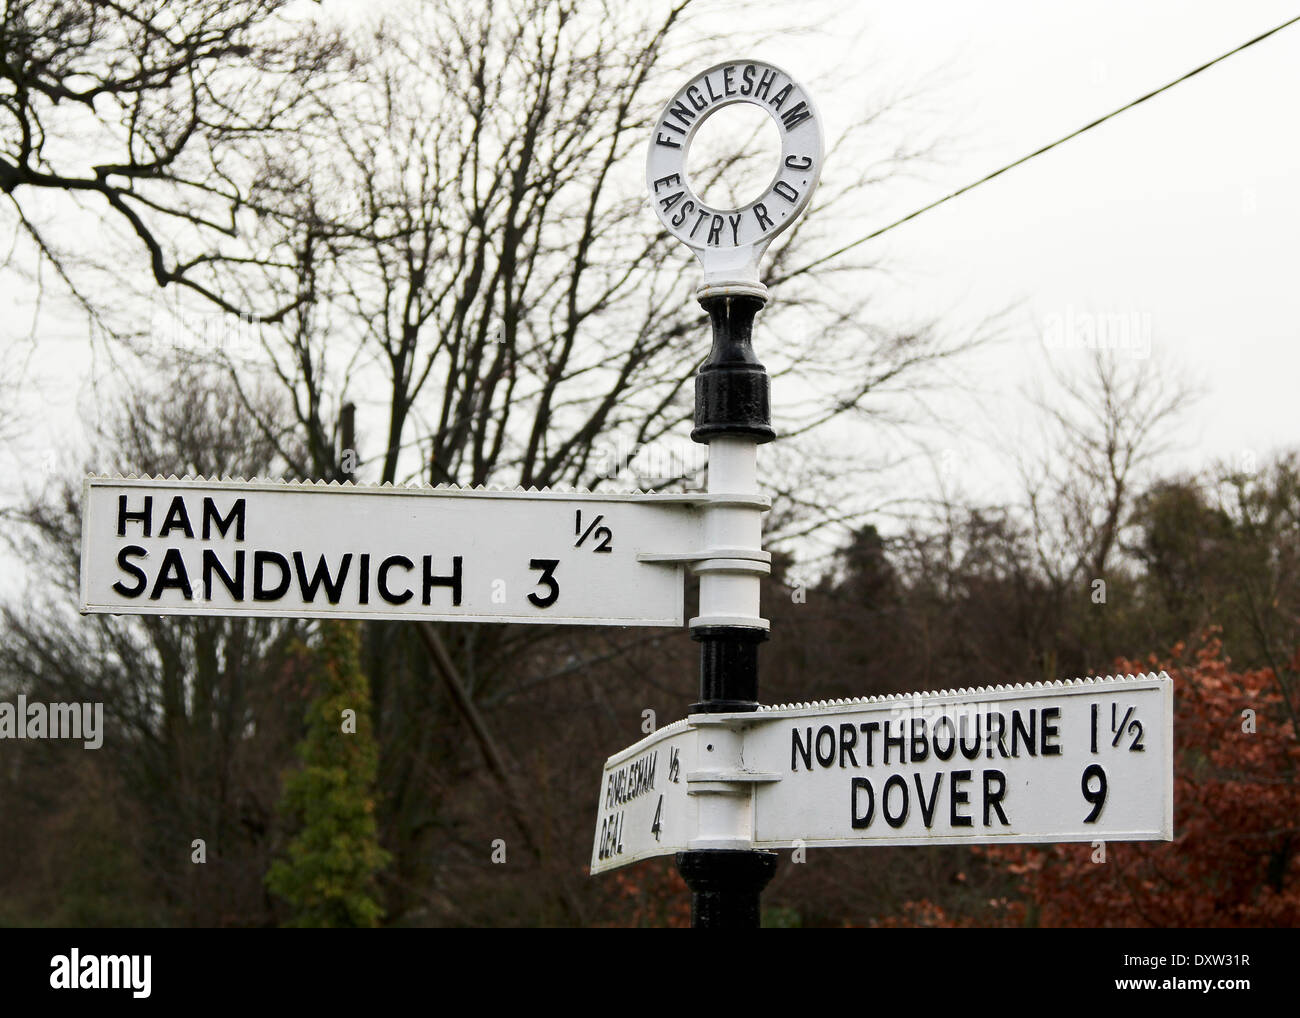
<point>1233,861</point>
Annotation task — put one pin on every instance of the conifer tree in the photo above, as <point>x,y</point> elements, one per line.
<point>328,873</point>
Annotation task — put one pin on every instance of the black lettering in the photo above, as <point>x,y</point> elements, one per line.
<point>672,178</point>
<point>1018,731</point>
<point>141,580</point>
<point>760,213</point>
<point>212,564</point>
<point>664,140</point>
<point>778,100</point>
<point>927,808</point>
<point>848,739</point>
<point>333,588</point>
<point>211,518</point>
<point>895,781</point>
<point>1049,731</point>
<point>764,84</point>
<point>1096,797</point>
<point>728,85</point>
<point>671,200</point>
<point>993,796</point>
<point>261,559</point>
<point>943,754</point>
<point>547,567</point>
<point>143,517</point>
<point>172,576</point>
<point>704,214</point>
<point>800,749</point>
<point>363,595</point>
<point>682,213</point>
<point>970,752</point>
<point>452,580</point>
<point>799,162</point>
<point>1002,732</point>
<point>920,747</point>
<point>176,517</point>
<point>785,191</point>
<point>827,758</point>
<point>869,728</point>
<point>899,742</point>
<point>713,96</point>
<point>735,227</point>
<point>682,112</point>
<point>381,579</point>
<point>958,798</point>
<point>795,115</point>
<point>696,98</point>
<point>861,821</point>
<point>715,231</point>
<point>748,75</point>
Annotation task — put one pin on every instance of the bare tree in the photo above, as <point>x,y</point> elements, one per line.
<point>474,266</point>
<point>154,115</point>
<point>455,238</point>
<point>200,715</point>
<point>478,265</point>
<point>1106,426</point>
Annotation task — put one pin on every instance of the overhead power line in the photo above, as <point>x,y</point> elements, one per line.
<point>1047,148</point>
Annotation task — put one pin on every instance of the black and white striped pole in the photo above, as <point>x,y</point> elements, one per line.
<point>733,417</point>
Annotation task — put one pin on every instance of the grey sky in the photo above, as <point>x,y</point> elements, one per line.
<point>1180,216</point>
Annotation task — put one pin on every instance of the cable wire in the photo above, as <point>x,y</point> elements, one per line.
<point>1046,148</point>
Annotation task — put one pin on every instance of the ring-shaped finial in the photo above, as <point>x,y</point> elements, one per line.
<point>730,242</point>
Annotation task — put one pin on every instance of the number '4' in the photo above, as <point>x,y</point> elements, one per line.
<point>657,826</point>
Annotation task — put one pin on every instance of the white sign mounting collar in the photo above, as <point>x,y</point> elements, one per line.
<point>730,242</point>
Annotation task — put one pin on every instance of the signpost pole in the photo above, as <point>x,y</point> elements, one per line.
<point>732,416</point>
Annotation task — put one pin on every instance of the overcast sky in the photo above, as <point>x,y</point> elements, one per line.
<point>1179,217</point>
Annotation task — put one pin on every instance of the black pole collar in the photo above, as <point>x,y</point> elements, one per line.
<point>732,389</point>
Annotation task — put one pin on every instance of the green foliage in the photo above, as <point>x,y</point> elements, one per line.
<point>328,877</point>
<point>781,917</point>
<point>1227,554</point>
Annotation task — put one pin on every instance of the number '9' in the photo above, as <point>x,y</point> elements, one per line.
<point>1095,796</point>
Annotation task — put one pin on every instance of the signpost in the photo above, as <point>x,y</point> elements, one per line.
<point>730,242</point>
<point>1084,760</point>
<point>316,550</point>
<point>723,789</point>
<point>1081,760</point>
<point>733,417</point>
<point>644,806</point>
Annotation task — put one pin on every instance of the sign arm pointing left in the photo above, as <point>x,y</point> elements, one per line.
<point>195,546</point>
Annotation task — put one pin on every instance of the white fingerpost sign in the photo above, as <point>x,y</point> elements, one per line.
<point>314,550</point>
<point>1080,760</point>
<point>644,809</point>
<point>730,242</point>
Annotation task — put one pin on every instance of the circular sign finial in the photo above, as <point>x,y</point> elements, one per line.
<point>730,242</point>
